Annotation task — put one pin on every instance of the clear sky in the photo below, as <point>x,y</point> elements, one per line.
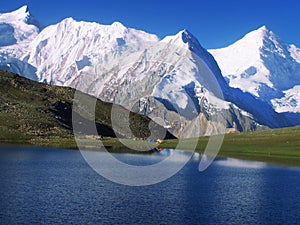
<point>216,23</point>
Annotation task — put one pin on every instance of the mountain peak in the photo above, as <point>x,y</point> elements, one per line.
<point>258,34</point>
<point>23,9</point>
<point>254,40</point>
<point>68,20</point>
<point>20,14</point>
<point>183,38</point>
<point>118,24</point>
<point>187,36</point>
<point>263,28</point>
<point>261,34</point>
<point>185,32</point>
<point>21,24</point>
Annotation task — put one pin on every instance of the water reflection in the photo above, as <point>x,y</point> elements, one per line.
<point>179,155</point>
<point>137,170</point>
<point>229,162</point>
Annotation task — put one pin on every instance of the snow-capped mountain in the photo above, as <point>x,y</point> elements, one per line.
<point>17,30</point>
<point>265,66</point>
<point>18,26</point>
<point>174,79</point>
<point>75,45</point>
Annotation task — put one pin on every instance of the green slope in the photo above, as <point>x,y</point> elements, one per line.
<point>35,113</point>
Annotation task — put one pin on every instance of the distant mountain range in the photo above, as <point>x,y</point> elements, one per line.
<point>252,84</point>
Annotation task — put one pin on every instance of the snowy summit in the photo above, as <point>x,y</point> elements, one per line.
<point>263,65</point>
<point>20,24</point>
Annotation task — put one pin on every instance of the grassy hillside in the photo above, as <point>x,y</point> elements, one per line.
<point>35,113</point>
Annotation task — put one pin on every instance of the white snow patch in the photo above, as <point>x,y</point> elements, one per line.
<point>295,53</point>
<point>290,102</point>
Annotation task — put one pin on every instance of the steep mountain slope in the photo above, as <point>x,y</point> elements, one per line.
<point>265,66</point>
<point>30,110</point>
<point>175,81</point>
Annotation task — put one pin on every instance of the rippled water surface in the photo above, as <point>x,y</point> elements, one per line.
<point>52,186</point>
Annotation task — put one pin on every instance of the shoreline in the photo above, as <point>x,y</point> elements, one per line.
<point>277,160</point>
<point>275,146</point>
<point>270,161</point>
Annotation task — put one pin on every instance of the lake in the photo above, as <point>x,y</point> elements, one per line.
<point>53,186</point>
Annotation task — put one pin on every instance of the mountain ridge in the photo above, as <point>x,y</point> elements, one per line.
<point>174,79</point>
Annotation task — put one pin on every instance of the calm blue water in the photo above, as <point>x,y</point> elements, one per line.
<point>48,186</point>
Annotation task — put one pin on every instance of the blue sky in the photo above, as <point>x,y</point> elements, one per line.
<point>216,23</point>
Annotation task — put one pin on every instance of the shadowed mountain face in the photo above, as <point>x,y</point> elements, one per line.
<point>7,35</point>
<point>30,109</point>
